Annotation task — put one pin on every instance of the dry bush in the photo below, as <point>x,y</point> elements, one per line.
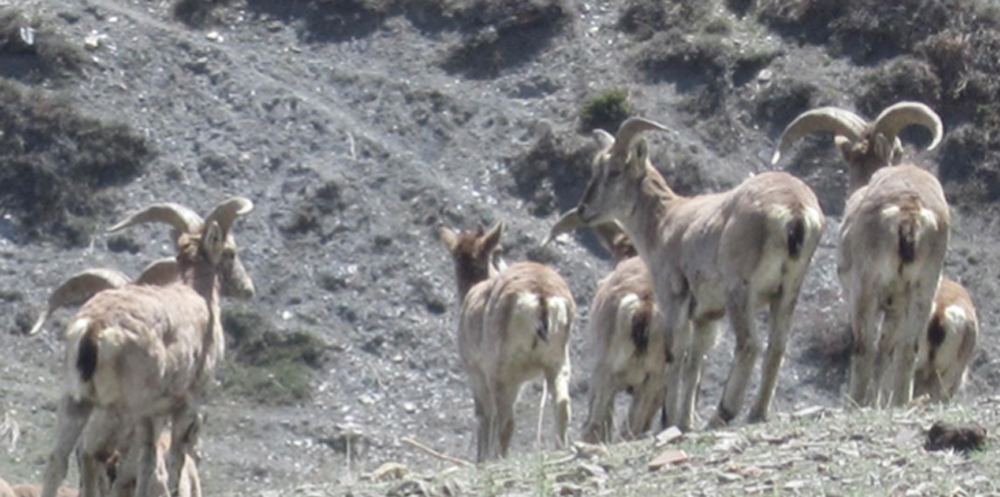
<point>33,51</point>
<point>197,13</point>
<point>950,55</point>
<point>501,34</point>
<point>903,78</point>
<point>321,202</point>
<point>56,165</point>
<point>644,18</point>
<point>321,21</point>
<point>782,101</point>
<point>865,30</point>
<point>804,19</point>
<point>267,365</point>
<point>551,175</point>
<point>872,30</point>
<point>969,166</point>
<point>683,166</point>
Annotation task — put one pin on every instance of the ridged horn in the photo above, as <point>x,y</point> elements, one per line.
<point>226,213</point>
<point>160,272</point>
<point>569,221</point>
<point>833,119</point>
<point>182,219</point>
<point>78,289</point>
<point>630,129</point>
<point>894,118</point>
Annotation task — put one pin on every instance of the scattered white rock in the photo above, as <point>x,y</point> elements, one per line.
<point>669,435</point>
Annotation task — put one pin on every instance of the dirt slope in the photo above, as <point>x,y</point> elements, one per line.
<point>356,127</point>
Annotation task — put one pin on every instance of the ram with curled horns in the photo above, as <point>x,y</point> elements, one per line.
<point>150,351</point>
<point>893,241</point>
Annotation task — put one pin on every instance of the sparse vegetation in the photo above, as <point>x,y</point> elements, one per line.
<point>56,164</point>
<point>265,365</point>
<point>813,451</point>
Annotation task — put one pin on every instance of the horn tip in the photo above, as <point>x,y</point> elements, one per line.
<point>38,324</point>
<point>245,205</point>
<point>775,157</point>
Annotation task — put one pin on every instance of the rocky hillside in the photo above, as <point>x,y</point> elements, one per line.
<point>357,126</point>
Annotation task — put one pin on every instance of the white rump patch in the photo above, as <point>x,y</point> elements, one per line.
<point>813,219</point>
<point>928,218</point>
<point>890,212</point>
<point>779,212</point>
<point>561,314</point>
<point>955,318</point>
<point>77,328</point>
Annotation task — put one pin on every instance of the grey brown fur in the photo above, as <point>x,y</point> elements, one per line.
<point>149,352</point>
<point>714,255</point>
<point>629,342</point>
<point>514,325</point>
<point>945,351</point>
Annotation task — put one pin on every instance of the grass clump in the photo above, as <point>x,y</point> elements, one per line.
<point>55,164</point>
<point>265,365</point>
<point>606,111</point>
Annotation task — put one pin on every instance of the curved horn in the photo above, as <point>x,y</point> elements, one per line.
<point>182,219</point>
<point>226,213</point>
<point>894,118</point>
<point>78,289</point>
<point>159,273</point>
<point>833,119</point>
<point>630,129</point>
<point>569,221</point>
<point>604,139</point>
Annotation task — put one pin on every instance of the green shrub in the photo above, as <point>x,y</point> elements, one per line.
<point>606,111</point>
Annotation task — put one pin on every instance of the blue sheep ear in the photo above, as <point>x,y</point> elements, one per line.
<point>641,152</point>
<point>492,237</point>
<point>213,242</point>
<point>448,236</point>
